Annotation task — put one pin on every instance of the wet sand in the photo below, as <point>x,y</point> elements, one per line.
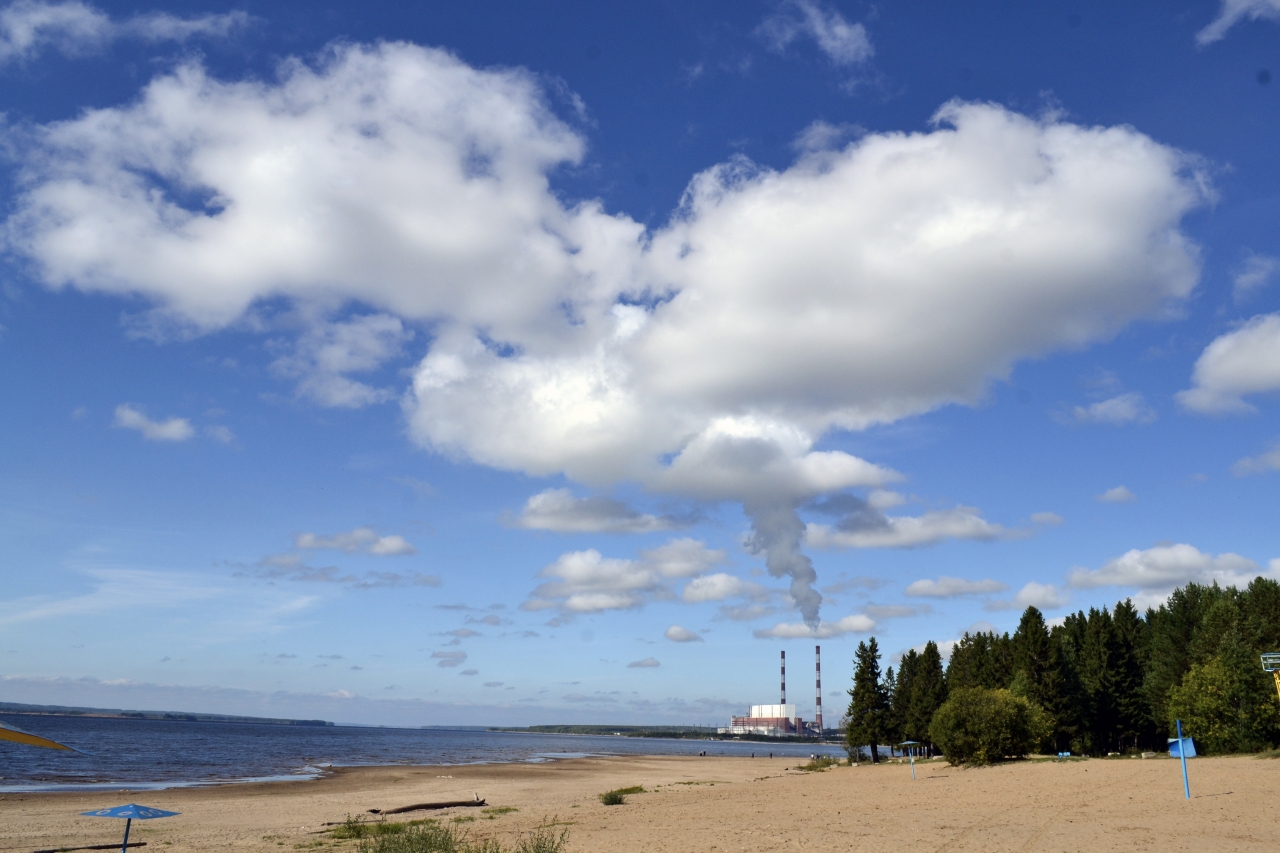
<point>722,804</point>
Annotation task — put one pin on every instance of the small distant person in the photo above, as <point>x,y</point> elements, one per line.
<point>753,755</point>
<point>771,756</point>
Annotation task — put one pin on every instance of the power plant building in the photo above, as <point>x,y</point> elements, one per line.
<point>780,720</point>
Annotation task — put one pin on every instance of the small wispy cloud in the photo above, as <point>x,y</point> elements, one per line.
<point>171,429</point>
<point>1263,463</point>
<point>29,27</point>
<point>449,659</point>
<point>1254,274</point>
<point>559,511</point>
<point>1117,495</point>
<point>1233,12</point>
<point>361,539</point>
<point>842,42</point>
<point>857,623</point>
<point>948,587</point>
<point>1130,408</point>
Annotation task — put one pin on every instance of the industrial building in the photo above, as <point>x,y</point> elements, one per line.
<point>780,720</point>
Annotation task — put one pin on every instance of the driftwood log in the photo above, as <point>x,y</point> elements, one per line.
<point>95,847</point>
<point>422,807</point>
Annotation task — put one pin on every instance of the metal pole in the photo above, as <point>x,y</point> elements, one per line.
<point>125,847</point>
<point>911,752</point>
<point>1182,753</point>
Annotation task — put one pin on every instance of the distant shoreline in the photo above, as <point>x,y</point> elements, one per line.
<point>19,709</point>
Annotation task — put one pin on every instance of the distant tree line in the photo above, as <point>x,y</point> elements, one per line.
<point>1103,681</point>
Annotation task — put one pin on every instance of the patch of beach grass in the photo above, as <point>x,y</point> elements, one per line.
<point>817,765</point>
<point>495,812</point>
<point>435,838</point>
<point>613,798</point>
<point>356,827</point>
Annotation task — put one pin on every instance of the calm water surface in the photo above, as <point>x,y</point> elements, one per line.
<point>140,754</point>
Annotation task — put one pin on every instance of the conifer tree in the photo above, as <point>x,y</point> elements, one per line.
<point>868,704</point>
<point>1134,724</point>
<point>1032,655</point>
<point>928,692</point>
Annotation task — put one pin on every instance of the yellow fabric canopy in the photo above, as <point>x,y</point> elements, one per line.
<point>16,736</point>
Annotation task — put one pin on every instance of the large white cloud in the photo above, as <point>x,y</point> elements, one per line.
<point>1242,362</point>
<point>393,175</point>
<point>1164,567</point>
<point>708,358</point>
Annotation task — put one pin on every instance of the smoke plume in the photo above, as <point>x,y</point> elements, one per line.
<point>777,532</point>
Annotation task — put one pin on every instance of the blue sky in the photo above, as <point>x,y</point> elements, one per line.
<point>511,363</point>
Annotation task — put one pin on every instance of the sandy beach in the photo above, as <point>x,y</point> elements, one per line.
<point>724,804</point>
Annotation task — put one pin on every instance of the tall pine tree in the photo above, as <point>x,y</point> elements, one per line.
<point>868,704</point>
<point>928,692</point>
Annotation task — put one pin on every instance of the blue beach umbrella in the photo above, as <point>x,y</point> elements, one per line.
<point>130,813</point>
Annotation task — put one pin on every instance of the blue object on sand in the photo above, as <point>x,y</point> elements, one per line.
<point>130,813</point>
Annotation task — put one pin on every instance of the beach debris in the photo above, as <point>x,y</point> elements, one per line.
<point>419,807</point>
<point>91,847</point>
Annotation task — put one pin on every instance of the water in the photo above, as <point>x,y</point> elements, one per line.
<point>149,754</point>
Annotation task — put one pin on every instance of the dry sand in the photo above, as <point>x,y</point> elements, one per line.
<point>722,804</point>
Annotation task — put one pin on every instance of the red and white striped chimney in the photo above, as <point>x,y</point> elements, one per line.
<point>817,660</point>
<point>784,679</point>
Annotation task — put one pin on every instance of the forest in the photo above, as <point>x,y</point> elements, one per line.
<point>1106,681</point>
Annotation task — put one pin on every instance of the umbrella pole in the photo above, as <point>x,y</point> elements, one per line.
<point>125,847</point>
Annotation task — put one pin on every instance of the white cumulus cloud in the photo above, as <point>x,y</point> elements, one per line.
<point>1234,11</point>
<point>720,587</point>
<point>558,510</point>
<point>171,429</point>
<point>962,522</point>
<point>678,634</point>
<point>706,358</point>
<point>1241,362</point>
<point>1156,572</point>
<point>1038,595</point>
<point>854,624</point>
<point>948,587</point>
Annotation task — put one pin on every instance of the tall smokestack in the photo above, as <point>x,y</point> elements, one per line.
<point>817,662</point>
<point>784,679</point>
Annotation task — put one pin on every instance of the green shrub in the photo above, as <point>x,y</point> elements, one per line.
<point>613,798</point>
<point>980,726</point>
